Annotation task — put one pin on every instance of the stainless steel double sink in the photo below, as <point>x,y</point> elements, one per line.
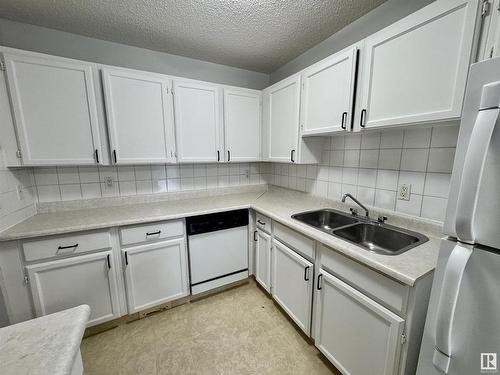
<point>369,234</point>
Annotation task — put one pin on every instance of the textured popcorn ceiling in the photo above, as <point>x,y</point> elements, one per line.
<point>259,35</point>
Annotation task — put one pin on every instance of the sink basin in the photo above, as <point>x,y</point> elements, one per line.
<point>381,239</point>
<point>325,219</point>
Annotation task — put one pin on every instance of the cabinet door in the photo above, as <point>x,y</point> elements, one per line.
<point>355,333</point>
<point>197,122</point>
<point>328,93</point>
<point>292,277</point>
<point>415,70</point>
<point>87,279</point>
<point>139,114</point>
<point>263,260</point>
<point>155,274</point>
<point>54,109</point>
<point>242,117</point>
<point>282,119</point>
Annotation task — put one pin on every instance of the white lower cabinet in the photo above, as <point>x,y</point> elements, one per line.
<point>355,333</point>
<point>87,279</point>
<point>292,279</point>
<point>263,259</point>
<point>155,273</point>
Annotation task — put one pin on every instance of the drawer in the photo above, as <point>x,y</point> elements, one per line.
<point>300,243</point>
<point>151,232</point>
<point>58,246</point>
<point>263,222</point>
<point>382,288</point>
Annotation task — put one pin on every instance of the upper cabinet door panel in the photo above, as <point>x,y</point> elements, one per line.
<point>283,119</point>
<point>197,122</point>
<point>242,117</point>
<point>138,108</point>
<point>416,69</point>
<point>327,97</point>
<point>54,109</point>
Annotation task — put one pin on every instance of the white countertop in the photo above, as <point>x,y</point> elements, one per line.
<point>277,203</point>
<point>43,346</point>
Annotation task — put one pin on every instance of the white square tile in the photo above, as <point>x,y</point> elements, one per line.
<point>312,171</point>
<point>68,175</point>
<point>244,179</point>
<point>337,158</point>
<point>142,172</point>
<point>127,187</point>
<point>338,142</point>
<point>335,174</point>
<point>211,169</point>
<point>385,199</point>
<point>434,208</point>
<point>70,192</point>
<point>160,186</point>
<point>223,170</point>
<point>254,168</point>
<point>387,180</point>
<point>334,190</point>
<point>325,157</point>
<point>48,193</point>
<point>126,173</point>
<point>46,176</point>
<point>301,184</point>
<point>211,182</point>
<point>302,171</point>
<point>437,184</point>
<point>350,176</point>
<point>157,172</point>
<point>200,183</point>
<point>368,159</point>
<point>445,136</point>
<point>414,159</point>
<point>292,182</point>
<point>292,170</point>
<point>173,171</point>
<point>187,183</point>
<point>351,158</point>
<point>223,181</point>
<point>391,139</point>
<point>110,191</point>
<point>370,141</point>
<point>199,170</point>
<point>108,171</point>
<point>91,190</point>
<point>349,189</point>
<point>415,179</point>
<point>411,207</point>
<point>323,173</point>
<point>173,184</point>
<point>389,158</point>
<point>187,170</point>
<point>144,187</point>
<point>244,168</point>
<point>353,142</point>
<point>366,195</point>
<point>234,169</point>
<point>321,189</point>
<point>283,181</point>
<point>367,177</point>
<point>417,138</point>
<point>441,160</point>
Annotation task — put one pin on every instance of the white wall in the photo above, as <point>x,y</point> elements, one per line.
<point>377,19</point>
<point>54,42</point>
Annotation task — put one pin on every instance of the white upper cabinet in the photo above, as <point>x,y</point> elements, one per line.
<point>415,70</point>
<point>197,122</point>
<point>328,94</point>
<point>242,123</point>
<point>54,108</point>
<point>139,116</point>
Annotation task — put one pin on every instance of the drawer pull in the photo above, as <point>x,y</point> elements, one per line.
<point>254,235</point>
<point>126,258</point>
<point>153,233</point>
<point>261,222</point>
<point>319,286</point>
<point>306,273</point>
<point>67,247</point>
<point>109,261</point>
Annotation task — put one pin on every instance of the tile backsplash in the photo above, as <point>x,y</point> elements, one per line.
<point>74,183</point>
<point>373,165</point>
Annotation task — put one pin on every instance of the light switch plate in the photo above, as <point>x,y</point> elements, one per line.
<point>404,192</point>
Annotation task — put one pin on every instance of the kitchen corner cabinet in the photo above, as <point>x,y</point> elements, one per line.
<point>281,109</point>
<point>415,70</point>
<point>242,124</point>
<point>263,259</point>
<point>54,108</point>
<point>292,281</point>
<point>87,279</point>
<point>328,94</point>
<point>355,333</point>
<point>197,109</point>
<point>139,116</point>
<point>155,273</point>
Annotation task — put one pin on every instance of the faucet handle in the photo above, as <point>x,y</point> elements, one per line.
<point>381,219</point>
<point>354,211</point>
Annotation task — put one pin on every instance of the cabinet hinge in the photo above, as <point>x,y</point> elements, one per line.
<point>403,338</point>
<point>485,8</point>
<point>26,280</point>
<point>18,154</point>
<point>2,65</point>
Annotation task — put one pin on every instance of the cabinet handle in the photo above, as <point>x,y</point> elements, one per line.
<point>291,156</point>
<point>306,273</point>
<point>228,155</point>
<point>254,235</point>
<point>218,155</point>
<point>153,233</point>
<point>344,120</point>
<point>67,247</point>
<point>261,222</point>
<point>114,155</point>
<point>97,156</point>
<point>109,261</point>
<point>319,285</point>
<point>126,258</point>
<point>362,119</point>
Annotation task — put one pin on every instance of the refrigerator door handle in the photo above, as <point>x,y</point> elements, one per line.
<point>475,160</point>
<point>452,279</point>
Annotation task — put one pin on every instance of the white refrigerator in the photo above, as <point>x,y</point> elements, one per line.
<point>462,330</point>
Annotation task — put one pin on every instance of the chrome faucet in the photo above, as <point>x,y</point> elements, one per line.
<point>367,213</point>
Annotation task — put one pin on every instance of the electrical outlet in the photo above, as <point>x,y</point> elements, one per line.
<point>404,192</point>
<point>108,181</point>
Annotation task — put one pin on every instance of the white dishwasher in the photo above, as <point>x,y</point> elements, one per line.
<point>218,249</point>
